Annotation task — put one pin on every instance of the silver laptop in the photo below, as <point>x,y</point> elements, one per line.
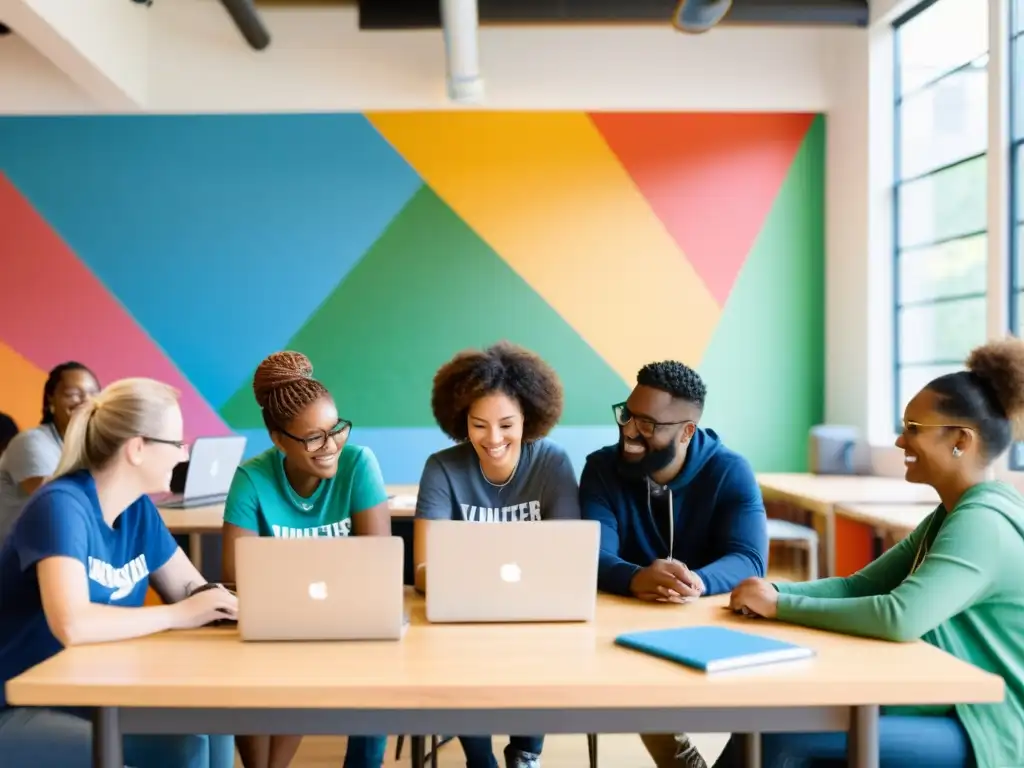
<point>344,588</point>
<point>507,572</point>
<point>211,466</point>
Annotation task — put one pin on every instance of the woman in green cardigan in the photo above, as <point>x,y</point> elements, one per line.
<point>956,582</point>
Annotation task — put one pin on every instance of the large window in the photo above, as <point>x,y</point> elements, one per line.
<point>1017,167</point>
<point>1017,186</point>
<point>940,238</point>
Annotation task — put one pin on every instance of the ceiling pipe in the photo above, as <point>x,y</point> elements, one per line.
<point>249,23</point>
<point>460,23</point>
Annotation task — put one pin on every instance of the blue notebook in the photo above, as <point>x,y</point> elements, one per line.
<point>712,649</point>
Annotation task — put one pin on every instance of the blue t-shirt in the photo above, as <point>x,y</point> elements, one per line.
<point>63,519</point>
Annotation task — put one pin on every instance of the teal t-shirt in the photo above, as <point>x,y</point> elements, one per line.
<point>261,499</point>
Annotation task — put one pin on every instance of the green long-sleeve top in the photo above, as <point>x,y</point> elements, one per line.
<point>966,597</point>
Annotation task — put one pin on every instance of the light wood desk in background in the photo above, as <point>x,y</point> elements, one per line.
<point>819,494</point>
<point>499,678</point>
<point>197,521</point>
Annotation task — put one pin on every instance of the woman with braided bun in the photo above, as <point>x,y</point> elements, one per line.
<point>955,582</point>
<point>312,482</point>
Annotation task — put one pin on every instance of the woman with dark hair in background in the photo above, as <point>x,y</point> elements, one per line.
<point>955,582</point>
<point>498,405</point>
<point>312,482</point>
<point>32,455</point>
<point>8,429</point>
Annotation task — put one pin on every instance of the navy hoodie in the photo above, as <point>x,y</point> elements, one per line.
<point>720,522</point>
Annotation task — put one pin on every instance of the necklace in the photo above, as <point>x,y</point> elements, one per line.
<point>499,486</point>
<point>922,548</point>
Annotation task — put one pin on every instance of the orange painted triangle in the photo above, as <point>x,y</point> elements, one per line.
<point>710,177</point>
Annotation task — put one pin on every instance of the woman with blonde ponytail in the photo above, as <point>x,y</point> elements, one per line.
<point>78,562</point>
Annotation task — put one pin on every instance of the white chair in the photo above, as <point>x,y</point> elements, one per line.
<point>799,537</point>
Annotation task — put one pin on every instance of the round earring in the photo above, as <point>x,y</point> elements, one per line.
<point>957,453</point>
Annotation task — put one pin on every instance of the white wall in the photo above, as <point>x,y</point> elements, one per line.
<point>319,61</point>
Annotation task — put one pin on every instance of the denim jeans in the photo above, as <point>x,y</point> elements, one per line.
<point>365,751</point>
<point>904,742</point>
<point>479,750</point>
<point>33,737</point>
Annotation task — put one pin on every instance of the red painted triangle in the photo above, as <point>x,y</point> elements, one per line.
<point>710,177</point>
<point>55,309</point>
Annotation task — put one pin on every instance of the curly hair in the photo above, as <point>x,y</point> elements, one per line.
<point>284,385</point>
<point>676,378</point>
<point>503,367</point>
<point>990,393</point>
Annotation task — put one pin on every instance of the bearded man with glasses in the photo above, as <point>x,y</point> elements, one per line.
<point>681,515</point>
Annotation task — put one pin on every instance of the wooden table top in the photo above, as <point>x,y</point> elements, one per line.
<point>898,519</point>
<point>537,666</point>
<point>820,493</point>
<point>210,519</point>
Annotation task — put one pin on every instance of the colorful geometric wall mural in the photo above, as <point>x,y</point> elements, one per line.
<point>188,247</point>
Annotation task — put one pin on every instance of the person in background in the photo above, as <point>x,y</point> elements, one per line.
<point>955,582</point>
<point>681,515</point>
<point>312,482</point>
<point>33,454</point>
<point>76,566</point>
<point>498,405</point>
<point>8,429</point>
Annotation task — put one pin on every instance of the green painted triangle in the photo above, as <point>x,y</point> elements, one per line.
<point>765,365</point>
<point>426,289</point>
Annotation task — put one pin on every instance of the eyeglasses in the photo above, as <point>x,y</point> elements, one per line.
<point>179,444</point>
<point>645,426</point>
<point>315,442</point>
<point>913,427</point>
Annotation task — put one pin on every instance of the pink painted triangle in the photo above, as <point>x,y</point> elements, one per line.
<point>55,309</point>
<point>710,177</point>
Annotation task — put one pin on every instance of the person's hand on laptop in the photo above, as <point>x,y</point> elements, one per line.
<point>666,581</point>
<point>205,606</point>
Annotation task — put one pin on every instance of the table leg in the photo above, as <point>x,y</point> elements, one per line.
<point>830,543</point>
<point>862,744</point>
<point>752,750</point>
<point>107,749</point>
<point>195,550</point>
<point>418,745</point>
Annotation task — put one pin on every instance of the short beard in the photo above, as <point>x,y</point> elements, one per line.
<point>652,462</point>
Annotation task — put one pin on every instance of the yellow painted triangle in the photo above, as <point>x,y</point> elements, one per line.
<point>545,191</point>
<point>21,388</point>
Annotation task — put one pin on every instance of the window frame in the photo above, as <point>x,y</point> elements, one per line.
<point>898,182</point>
<point>1015,220</point>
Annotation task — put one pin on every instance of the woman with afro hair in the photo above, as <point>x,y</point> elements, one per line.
<point>955,582</point>
<point>498,405</point>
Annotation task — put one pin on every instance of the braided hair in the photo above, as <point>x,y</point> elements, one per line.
<point>284,385</point>
<point>53,381</point>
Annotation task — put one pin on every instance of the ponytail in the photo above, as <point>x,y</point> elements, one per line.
<point>73,455</point>
<point>101,426</point>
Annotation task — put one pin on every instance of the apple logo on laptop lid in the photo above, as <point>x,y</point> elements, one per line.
<point>318,590</point>
<point>511,573</point>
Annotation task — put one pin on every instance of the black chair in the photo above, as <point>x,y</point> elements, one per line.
<point>419,749</point>
<point>420,754</point>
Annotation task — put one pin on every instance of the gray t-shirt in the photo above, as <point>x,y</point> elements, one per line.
<point>32,453</point>
<point>544,487</point>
